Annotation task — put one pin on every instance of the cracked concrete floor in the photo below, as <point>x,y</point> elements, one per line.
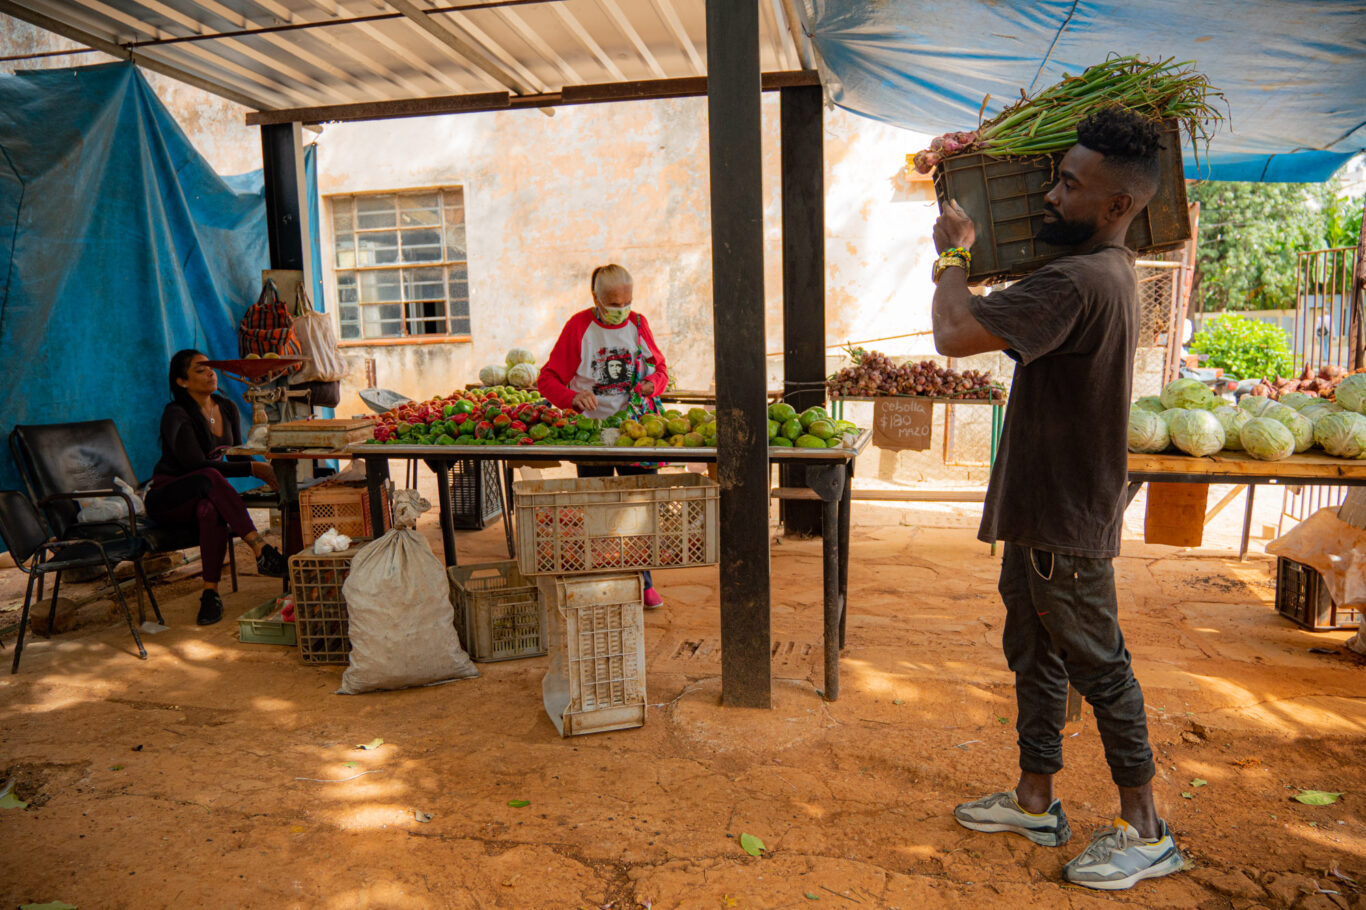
<point>185,780</point>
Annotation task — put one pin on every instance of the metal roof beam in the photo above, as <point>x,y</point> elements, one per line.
<point>56,26</point>
<point>538,44</point>
<point>794,28</point>
<point>648,89</point>
<point>577,29</point>
<point>444,34</point>
<point>667,12</point>
<point>619,19</point>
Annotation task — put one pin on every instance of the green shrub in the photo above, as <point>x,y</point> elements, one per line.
<point>1244,348</point>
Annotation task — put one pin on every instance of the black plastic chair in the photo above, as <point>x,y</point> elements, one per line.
<point>62,459</point>
<point>28,541</point>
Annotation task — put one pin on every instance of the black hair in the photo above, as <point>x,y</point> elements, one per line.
<point>1129,143</point>
<point>180,369</point>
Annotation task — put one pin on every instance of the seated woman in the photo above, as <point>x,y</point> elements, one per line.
<point>605,354</point>
<point>189,485</point>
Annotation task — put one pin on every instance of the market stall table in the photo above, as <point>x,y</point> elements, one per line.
<point>829,475</point>
<point>1240,468</point>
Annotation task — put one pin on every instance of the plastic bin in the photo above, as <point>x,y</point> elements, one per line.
<point>476,497</point>
<point>262,625</point>
<point>1004,196</point>
<point>596,680</point>
<point>1303,598</point>
<point>319,605</point>
<point>610,524</point>
<point>498,611</point>
<point>345,507</point>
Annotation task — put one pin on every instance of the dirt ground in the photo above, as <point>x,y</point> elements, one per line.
<point>218,774</point>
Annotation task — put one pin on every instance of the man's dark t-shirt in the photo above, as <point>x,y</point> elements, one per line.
<point>1059,479</point>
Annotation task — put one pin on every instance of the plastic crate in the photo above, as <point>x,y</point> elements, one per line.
<point>476,496</point>
<point>1303,598</point>
<point>498,611</point>
<point>610,524</point>
<point>262,625</point>
<point>1004,196</point>
<point>345,507</point>
<point>320,606</point>
<point>596,680</point>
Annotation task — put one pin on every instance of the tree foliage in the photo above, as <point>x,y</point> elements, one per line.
<point>1244,348</point>
<point>1250,234</point>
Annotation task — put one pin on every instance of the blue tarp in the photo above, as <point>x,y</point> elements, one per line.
<point>1294,71</point>
<point>118,246</point>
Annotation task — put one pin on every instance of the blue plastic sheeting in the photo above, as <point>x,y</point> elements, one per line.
<point>119,245</point>
<point>1294,71</point>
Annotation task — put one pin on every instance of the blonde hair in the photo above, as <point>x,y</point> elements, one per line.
<point>607,277</point>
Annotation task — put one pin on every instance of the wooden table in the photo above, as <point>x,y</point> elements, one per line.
<point>1240,468</point>
<point>829,475</point>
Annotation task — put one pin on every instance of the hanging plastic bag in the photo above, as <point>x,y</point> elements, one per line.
<point>398,602</point>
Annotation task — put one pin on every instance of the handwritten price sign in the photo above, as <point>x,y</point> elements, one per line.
<point>902,424</point>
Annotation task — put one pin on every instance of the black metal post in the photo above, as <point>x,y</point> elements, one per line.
<point>803,179</point>
<point>282,159</point>
<point>737,243</point>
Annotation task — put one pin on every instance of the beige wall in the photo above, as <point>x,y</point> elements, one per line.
<point>548,198</point>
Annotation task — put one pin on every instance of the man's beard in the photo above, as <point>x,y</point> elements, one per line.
<point>1064,233</point>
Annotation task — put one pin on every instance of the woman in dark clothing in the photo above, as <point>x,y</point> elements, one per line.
<point>189,485</point>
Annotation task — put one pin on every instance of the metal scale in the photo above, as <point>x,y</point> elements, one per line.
<point>261,377</point>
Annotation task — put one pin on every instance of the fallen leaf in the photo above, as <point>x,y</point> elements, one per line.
<point>1316,797</point>
<point>1199,782</point>
<point>1002,720</point>
<point>1185,795</point>
<point>751,844</point>
<point>297,829</point>
<point>10,801</point>
<point>50,905</point>
<point>350,764</point>
<point>423,817</point>
<point>728,901</point>
<point>116,767</point>
<point>372,744</point>
<point>895,701</point>
<point>812,897</point>
<point>1247,762</point>
<point>519,803</point>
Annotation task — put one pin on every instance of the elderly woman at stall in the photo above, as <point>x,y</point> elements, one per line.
<point>605,354</point>
<point>189,483</point>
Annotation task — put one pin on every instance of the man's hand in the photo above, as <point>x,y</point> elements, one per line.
<point>585,402</point>
<point>953,228</point>
<point>646,389</point>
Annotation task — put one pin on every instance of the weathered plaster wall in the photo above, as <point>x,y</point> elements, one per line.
<point>548,198</point>
<point>214,125</point>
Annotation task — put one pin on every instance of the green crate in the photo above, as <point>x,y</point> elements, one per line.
<point>254,628</point>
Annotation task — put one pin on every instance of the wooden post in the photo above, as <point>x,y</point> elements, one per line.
<point>1358,315</point>
<point>282,156</point>
<point>803,179</point>
<point>734,137</point>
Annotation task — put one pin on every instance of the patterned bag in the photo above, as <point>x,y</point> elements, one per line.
<point>267,327</point>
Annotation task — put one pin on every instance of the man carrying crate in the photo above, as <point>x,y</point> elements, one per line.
<point>1056,496</point>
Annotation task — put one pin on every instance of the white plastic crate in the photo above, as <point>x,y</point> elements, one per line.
<point>498,611</point>
<point>611,524</point>
<point>596,680</point>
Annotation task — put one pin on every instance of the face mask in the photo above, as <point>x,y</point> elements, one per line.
<point>614,315</point>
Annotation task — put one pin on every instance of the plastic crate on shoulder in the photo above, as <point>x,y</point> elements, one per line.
<point>320,606</point>
<point>476,497</point>
<point>345,507</point>
<point>611,524</point>
<point>1303,598</point>
<point>498,611</point>
<point>596,680</point>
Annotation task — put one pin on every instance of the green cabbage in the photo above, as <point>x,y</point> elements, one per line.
<point>1147,431</point>
<point>1267,439</point>
<point>1301,427</point>
<point>1255,404</point>
<point>1351,392</point>
<point>1187,393</point>
<point>1319,407</point>
<point>1171,414</point>
<point>1342,434</point>
<point>1196,432</point>
<point>1150,403</point>
<point>1297,400</point>
<point>1233,420</point>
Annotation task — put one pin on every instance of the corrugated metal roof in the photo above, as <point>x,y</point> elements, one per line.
<point>289,54</point>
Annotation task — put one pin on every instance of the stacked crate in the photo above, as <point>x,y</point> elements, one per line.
<point>586,541</point>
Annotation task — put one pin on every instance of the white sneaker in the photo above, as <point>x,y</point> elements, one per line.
<point>1117,858</point>
<point>1002,812</point>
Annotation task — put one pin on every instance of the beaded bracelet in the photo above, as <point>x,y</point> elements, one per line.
<point>958,251</point>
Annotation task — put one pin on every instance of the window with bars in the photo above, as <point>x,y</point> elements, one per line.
<point>401,265</point>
